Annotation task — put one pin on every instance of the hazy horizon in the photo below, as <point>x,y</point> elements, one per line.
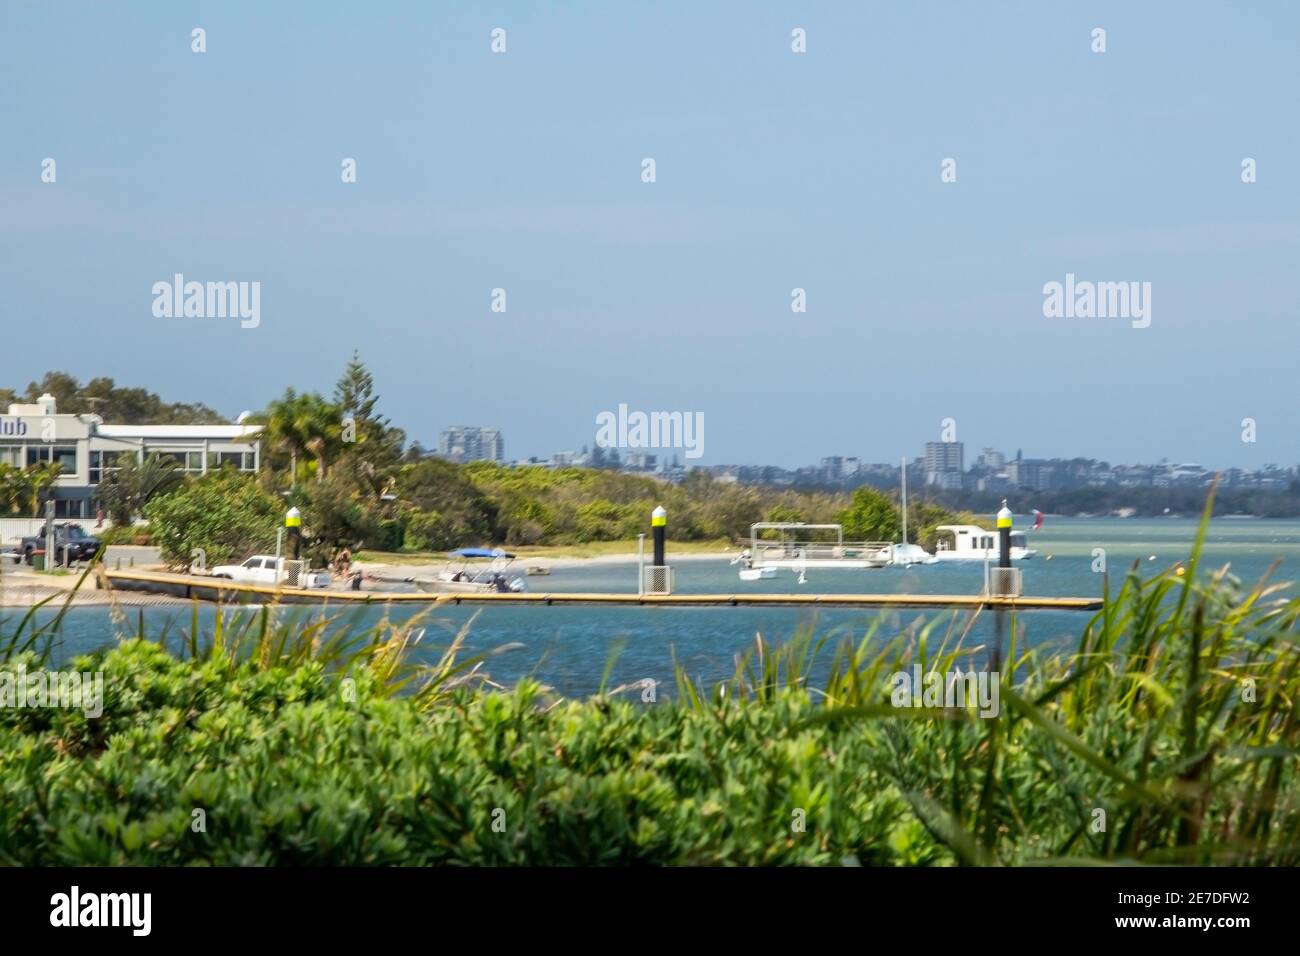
<point>775,170</point>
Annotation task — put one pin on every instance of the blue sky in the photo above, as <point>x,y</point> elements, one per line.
<point>774,171</point>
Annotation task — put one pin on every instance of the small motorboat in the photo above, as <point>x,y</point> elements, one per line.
<point>757,574</point>
<point>463,575</point>
<point>907,555</point>
<point>533,570</point>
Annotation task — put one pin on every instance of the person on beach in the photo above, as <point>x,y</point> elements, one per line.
<point>343,563</point>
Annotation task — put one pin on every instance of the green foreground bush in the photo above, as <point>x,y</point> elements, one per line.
<point>1175,725</point>
<point>288,772</point>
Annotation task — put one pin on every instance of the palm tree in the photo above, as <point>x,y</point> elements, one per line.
<point>126,490</point>
<point>21,490</point>
<point>301,424</point>
<point>40,479</point>
<point>13,489</point>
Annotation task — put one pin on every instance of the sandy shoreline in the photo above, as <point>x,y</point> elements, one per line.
<point>522,562</point>
<point>25,588</point>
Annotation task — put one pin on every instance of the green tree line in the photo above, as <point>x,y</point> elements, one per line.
<point>343,464</point>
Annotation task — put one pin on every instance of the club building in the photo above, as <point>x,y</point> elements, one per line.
<point>88,450</point>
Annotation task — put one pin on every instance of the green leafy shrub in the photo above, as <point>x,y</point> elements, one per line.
<point>138,535</point>
<point>428,531</point>
<point>225,513</point>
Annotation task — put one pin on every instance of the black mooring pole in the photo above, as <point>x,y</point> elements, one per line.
<point>293,523</point>
<point>1004,561</point>
<point>659,522</point>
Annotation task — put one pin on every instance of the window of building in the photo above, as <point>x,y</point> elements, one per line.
<point>102,463</point>
<point>64,455</point>
<point>70,509</point>
<point>11,455</point>
<point>243,460</point>
<point>190,462</point>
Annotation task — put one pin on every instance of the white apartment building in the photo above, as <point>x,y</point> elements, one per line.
<point>87,449</point>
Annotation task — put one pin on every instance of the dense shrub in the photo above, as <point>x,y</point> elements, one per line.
<point>287,770</point>
<point>482,502</point>
<point>428,531</point>
<point>225,514</point>
<point>124,534</point>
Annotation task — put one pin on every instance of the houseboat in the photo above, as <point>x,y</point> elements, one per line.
<point>968,542</point>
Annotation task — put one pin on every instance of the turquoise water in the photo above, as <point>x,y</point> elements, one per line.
<point>568,648</point>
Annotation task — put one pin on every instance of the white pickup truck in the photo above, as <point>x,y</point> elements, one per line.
<point>270,570</point>
<point>259,569</point>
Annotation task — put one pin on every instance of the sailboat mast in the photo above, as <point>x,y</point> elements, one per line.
<point>904,499</point>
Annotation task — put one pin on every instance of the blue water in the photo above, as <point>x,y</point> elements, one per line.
<point>568,648</point>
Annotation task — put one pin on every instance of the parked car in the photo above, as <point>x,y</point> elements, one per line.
<point>71,543</point>
<point>259,569</point>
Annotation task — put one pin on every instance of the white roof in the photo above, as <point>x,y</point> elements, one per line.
<point>226,432</point>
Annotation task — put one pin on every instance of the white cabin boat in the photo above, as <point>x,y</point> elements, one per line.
<point>968,542</point>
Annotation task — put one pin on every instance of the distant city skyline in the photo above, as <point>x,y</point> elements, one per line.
<point>936,460</point>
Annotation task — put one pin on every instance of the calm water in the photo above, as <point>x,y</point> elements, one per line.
<point>568,648</point>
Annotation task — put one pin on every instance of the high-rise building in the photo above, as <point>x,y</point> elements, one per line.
<point>943,456</point>
<point>943,463</point>
<point>1031,474</point>
<point>472,443</point>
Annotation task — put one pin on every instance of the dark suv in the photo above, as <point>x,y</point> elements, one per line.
<point>71,543</point>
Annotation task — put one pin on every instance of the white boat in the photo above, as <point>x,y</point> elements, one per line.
<point>905,555</point>
<point>968,542</point>
<point>757,574</point>
<point>463,576</point>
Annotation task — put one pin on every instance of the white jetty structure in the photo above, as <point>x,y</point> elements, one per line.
<point>799,547</point>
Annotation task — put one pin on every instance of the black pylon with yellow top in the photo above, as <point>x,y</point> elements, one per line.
<point>293,524</point>
<point>1004,536</point>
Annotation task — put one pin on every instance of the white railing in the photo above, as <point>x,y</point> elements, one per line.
<point>816,550</point>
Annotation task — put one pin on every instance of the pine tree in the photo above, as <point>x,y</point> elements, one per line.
<point>355,392</point>
<point>377,442</point>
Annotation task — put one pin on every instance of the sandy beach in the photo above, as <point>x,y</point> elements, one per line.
<point>524,561</point>
<point>21,587</point>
